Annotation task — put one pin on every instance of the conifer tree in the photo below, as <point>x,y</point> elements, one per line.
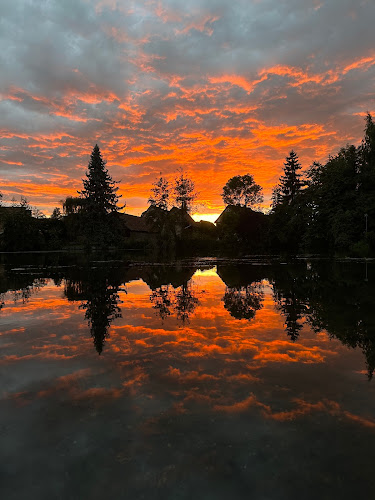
<point>98,222</point>
<point>368,143</point>
<point>290,182</point>
<point>100,191</point>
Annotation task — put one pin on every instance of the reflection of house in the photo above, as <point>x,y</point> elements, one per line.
<point>138,228</point>
<point>12,212</point>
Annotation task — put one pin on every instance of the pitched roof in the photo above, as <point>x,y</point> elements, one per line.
<point>136,224</point>
<point>182,215</point>
<point>237,209</point>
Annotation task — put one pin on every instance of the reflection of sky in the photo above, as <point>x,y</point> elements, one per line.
<point>211,368</point>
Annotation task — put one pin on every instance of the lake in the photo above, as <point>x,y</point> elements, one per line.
<point>200,379</point>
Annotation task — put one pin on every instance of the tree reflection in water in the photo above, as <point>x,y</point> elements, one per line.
<point>161,298</point>
<point>242,302</point>
<point>182,301</point>
<point>101,309</point>
<point>293,311</point>
<point>99,292</point>
<point>329,297</point>
<point>186,302</point>
<point>22,292</point>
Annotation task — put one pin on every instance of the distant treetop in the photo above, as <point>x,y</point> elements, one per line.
<point>243,191</point>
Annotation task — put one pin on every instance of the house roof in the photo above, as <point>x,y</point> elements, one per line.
<point>236,209</point>
<point>182,215</point>
<point>136,224</point>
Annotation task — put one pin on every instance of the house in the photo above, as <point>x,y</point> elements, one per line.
<point>176,219</point>
<point>242,225</point>
<point>138,228</point>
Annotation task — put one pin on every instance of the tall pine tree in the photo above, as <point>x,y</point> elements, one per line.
<point>100,191</point>
<point>290,182</point>
<point>100,224</point>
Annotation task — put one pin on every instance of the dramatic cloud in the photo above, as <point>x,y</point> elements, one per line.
<point>216,87</point>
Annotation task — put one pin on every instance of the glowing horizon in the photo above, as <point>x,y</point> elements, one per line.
<point>213,88</point>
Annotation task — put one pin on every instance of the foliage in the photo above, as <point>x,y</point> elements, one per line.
<point>56,214</point>
<point>184,192</point>
<point>100,191</point>
<point>73,205</point>
<point>242,229</point>
<point>20,230</point>
<point>242,190</point>
<point>100,223</point>
<point>243,302</point>
<point>160,194</point>
<point>290,182</point>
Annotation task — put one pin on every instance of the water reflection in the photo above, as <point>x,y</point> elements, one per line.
<point>209,379</point>
<point>99,294</point>
<point>181,301</point>
<point>329,297</point>
<point>317,295</point>
<point>243,302</point>
<point>161,298</point>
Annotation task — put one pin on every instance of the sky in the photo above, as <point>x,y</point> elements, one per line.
<point>215,87</point>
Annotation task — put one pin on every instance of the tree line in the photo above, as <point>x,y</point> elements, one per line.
<point>326,209</point>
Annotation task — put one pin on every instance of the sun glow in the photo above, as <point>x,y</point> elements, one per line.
<point>205,217</point>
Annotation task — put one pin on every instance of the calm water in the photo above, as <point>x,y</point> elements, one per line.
<point>202,380</point>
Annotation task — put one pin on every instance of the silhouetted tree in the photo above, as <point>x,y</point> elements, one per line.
<point>276,197</point>
<point>160,194</point>
<point>243,191</point>
<point>73,205</point>
<point>184,192</point>
<point>367,147</point>
<point>290,182</point>
<point>56,213</point>
<point>100,191</point>
<point>101,225</point>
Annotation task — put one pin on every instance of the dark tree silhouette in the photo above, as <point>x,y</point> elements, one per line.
<point>100,191</point>
<point>160,194</point>
<point>184,192</point>
<point>73,204</point>
<point>368,143</point>
<point>290,182</point>
<point>100,223</point>
<point>243,191</point>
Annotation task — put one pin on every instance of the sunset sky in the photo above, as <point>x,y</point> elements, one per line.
<point>216,87</point>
